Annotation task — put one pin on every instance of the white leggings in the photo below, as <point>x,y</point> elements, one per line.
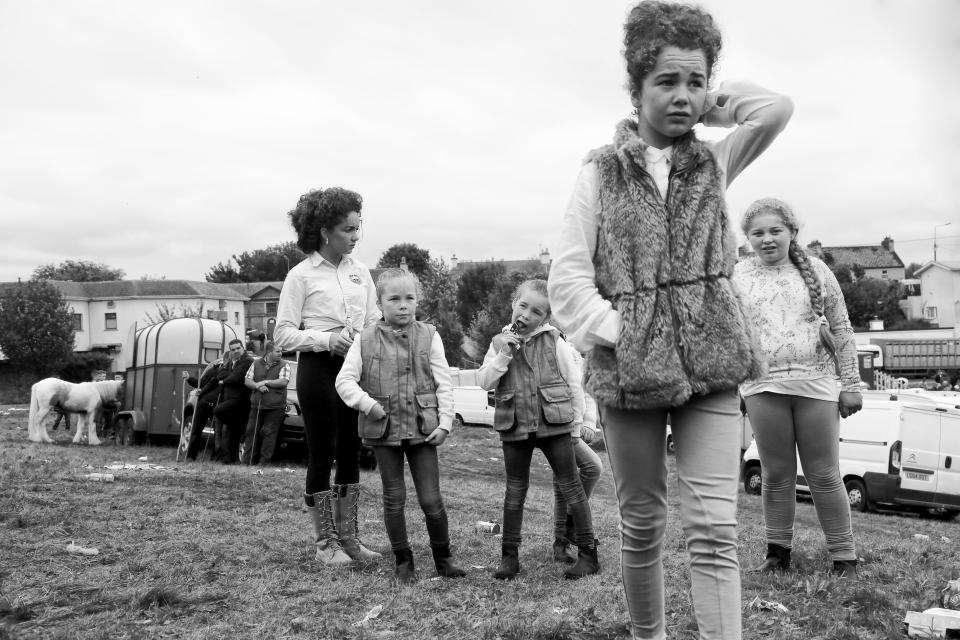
<point>783,426</point>
<point>706,434</point>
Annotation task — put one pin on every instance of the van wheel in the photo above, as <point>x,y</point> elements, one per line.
<point>457,421</point>
<point>752,480</point>
<point>857,494</point>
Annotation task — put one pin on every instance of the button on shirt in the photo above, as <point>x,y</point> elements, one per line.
<point>324,298</point>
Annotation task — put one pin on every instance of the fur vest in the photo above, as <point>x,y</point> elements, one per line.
<point>666,267</point>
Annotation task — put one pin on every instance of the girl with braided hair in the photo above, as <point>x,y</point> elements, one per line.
<point>796,307</point>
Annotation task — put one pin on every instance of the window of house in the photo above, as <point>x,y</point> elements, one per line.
<point>272,308</point>
<point>110,321</point>
<point>236,317</point>
<point>883,275</point>
<point>930,313</point>
<point>77,322</point>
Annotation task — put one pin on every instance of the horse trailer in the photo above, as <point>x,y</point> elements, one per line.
<point>155,357</point>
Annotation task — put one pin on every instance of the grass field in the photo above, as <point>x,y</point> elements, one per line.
<point>200,550</point>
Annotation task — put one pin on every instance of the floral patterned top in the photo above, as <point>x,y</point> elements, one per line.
<point>777,304</point>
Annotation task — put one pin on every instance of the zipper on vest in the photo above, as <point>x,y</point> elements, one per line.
<point>674,172</point>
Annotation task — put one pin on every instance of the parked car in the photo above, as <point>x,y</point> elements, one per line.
<point>902,450</point>
<point>472,405</point>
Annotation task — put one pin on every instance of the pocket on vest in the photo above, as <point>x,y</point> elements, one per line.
<point>556,401</point>
<point>505,410</point>
<point>428,412</point>
<point>373,429</point>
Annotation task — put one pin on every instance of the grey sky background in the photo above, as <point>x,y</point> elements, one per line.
<point>162,137</point>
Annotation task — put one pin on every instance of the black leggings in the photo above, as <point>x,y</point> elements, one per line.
<point>330,426</point>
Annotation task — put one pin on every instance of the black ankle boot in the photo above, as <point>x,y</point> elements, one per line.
<point>778,559</point>
<point>509,563</point>
<point>444,563</point>
<point>561,551</point>
<point>587,563</point>
<point>845,568</point>
<point>405,571</point>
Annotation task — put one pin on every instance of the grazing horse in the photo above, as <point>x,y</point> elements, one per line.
<point>87,399</point>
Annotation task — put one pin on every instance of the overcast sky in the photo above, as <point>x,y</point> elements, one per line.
<point>162,137</point>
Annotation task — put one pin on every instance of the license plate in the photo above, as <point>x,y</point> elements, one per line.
<point>912,475</point>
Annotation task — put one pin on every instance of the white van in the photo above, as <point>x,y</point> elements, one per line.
<point>900,450</point>
<point>471,405</point>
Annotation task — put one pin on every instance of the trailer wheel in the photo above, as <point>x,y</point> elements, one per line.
<point>185,432</point>
<point>753,479</point>
<point>857,494</point>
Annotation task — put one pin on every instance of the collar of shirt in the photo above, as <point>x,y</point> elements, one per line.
<point>316,260</point>
<point>658,166</point>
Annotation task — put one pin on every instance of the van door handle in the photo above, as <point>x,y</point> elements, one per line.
<point>948,462</point>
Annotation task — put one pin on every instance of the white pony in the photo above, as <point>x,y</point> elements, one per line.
<point>87,399</point>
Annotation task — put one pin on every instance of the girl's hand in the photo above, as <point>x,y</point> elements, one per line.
<point>850,403</point>
<point>505,342</point>
<point>437,437</point>
<point>377,412</point>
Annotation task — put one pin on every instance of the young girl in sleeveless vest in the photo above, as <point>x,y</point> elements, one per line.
<point>797,307</point>
<point>396,375</point>
<point>641,281</point>
<point>539,403</point>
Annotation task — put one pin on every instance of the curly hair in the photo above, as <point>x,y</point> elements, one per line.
<point>537,285</point>
<point>321,209</point>
<point>653,25</point>
<point>797,256</point>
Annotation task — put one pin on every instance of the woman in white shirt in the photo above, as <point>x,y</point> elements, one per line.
<point>326,300</point>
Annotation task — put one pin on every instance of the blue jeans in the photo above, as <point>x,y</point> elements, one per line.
<point>590,466</point>
<point>706,433</point>
<point>558,450</point>
<point>425,469</point>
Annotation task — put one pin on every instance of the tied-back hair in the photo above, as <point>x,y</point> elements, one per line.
<point>321,209</point>
<point>799,259</point>
<point>394,273</point>
<point>538,285</point>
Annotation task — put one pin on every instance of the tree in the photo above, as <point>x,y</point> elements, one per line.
<point>474,287</point>
<point>260,265</point>
<point>845,273</point>
<point>36,327</point>
<point>911,270</point>
<point>869,298</point>
<point>78,271</point>
<point>418,260</point>
<point>169,312</point>
<point>438,307</point>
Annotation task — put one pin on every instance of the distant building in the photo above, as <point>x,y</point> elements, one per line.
<point>530,265</point>
<point>105,313</point>
<point>939,299</point>
<point>877,261</point>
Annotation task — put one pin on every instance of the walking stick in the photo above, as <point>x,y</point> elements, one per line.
<point>256,424</point>
<point>183,415</point>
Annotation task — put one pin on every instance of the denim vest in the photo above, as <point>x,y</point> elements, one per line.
<point>532,397</point>
<point>396,373</point>
<point>275,397</point>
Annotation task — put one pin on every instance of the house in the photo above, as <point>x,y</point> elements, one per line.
<point>106,313</point>
<point>877,261</point>
<point>530,265</point>
<point>939,297</point>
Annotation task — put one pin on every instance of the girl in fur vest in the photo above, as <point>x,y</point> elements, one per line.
<point>796,305</point>
<point>642,282</point>
<point>396,375</point>
<point>539,404</point>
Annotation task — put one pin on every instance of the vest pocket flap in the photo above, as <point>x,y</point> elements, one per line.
<point>371,428</point>
<point>504,410</point>
<point>557,403</point>
<point>428,412</point>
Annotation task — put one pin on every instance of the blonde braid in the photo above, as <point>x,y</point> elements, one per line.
<point>800,260</point>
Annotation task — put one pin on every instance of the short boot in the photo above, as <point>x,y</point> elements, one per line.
<point>509,563</point>
<point>845,568</point>
<point>587,562</point>
<point>561,551</point>
<point>329,550</point>
<point>778,559</point>
<point>346,517</point>
<point>404,571</point>
<point>443,561</point>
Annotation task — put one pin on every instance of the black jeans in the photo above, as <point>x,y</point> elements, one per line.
<point>330,426</point>
<point>425,470</point>
<point>233,414</point>
<point>558,450</point>
<point>203,413</point>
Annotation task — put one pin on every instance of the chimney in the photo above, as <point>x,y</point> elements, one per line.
<point>888,244</point>
<point>816,248</point>
<point>545,257</point>
<point>453,262</point>
<point>403,264</point>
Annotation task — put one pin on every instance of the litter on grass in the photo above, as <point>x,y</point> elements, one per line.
<point>767,605</point>
<point>371,615</point>
<point>83,551</point>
